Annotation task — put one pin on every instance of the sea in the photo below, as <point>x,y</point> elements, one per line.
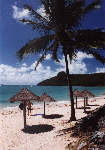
<point>59,93</point>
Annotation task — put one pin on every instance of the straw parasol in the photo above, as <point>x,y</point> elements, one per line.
<point>86,94</point>
<point>76,93</point>
<point>23,96</point>
<point>46,98</point>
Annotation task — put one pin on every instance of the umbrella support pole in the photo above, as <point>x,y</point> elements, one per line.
<point>24,114</point>
<point>87,101</point>
<point>84,105</point>
<point>76,101</point>
<point>44,109</point>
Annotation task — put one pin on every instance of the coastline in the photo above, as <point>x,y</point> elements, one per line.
<point>45,134</point>
<point>14,105</point>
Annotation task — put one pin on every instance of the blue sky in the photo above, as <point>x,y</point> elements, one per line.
<point>13,35</point>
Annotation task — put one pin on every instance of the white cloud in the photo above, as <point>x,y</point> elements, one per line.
<point>20,13</point>
<point>81,56</point>
<point>77,66</point>
<point>24,64</point>
<point>25,74</point>
<point>48,57</point>
<point>100,70</point>
<point>41,11</point>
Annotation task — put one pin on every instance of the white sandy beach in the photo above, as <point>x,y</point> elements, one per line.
<point>45,133</point>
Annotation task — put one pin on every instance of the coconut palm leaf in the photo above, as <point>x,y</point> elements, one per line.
<point>93,38</point>
<point>48,5</point>
<point>60,13</point>
<point>35,46</point>
<point>42,58</point>
<point>98,56</point>
<point>54,47</point>
<point>86,48</point>
<point>35,14</point>
<point>72,55</point>
<point>74,12</point>
<point>35,25</point>
<point>43,21</point>
<point>54,51</point>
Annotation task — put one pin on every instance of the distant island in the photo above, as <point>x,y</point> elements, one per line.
<point>96,79</point>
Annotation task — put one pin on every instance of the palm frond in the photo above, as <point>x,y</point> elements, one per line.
<point>54,47</point>
<point>92,6</point>
<point>42,58</point>
<point>72,54</point>
<point>74,12</point>
<point>98,56</point>
<point>54,51</point>
<point>47,4</point>
<point>93,38</point>
<point>59,13</point>
<point>35,14</point>
<point>35,46</point>
<point>36,25</point>
<point>50,9</point>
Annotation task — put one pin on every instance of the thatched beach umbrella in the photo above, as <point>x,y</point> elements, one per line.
<point>76,94</point>
<point>86,94</point>
<point>46,98</point>
<point>23,96</point>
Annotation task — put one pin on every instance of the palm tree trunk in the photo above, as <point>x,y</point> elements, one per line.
<point>24,114</point>
<point>72,118</point>
<point>64,39</point>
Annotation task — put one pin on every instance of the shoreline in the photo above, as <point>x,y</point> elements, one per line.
<point>10,105</point>
<point>43,133</point>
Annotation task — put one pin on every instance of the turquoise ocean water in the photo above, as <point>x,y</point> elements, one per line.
<point>60,93</point>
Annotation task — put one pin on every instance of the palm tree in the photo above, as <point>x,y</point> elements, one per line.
<point>56,29</point>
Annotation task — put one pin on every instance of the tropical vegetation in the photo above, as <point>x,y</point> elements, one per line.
<point>61,31</point>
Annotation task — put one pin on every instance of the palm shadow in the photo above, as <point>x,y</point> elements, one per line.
<point>88,112</point>
<point>83,107</point>
<point>52,116</point>
<point>41,128</point>
<point>93,105</point>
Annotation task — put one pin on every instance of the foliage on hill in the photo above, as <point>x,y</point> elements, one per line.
<point>96,79</point>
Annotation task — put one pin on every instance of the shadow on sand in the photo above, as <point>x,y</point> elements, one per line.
<point>93,105</point>
<point>52,116</point>
<point>83,107</point>
<point>88,112</point>
<point>37,115</point>
<point>41,128</point>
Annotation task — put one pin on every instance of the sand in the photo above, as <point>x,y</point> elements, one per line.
<point>43,133</point>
